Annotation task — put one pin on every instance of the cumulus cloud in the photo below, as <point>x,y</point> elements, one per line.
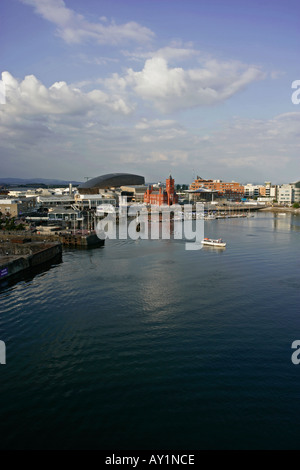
<point>74,28</point>
<point>60,130</point>
<point>240,149</point>
<point>51,127</point>
<point>2,93</point>
<point>174,88</point>
<point>31,97</point>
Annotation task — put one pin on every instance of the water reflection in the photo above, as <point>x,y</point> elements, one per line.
<point>28,275</point>
<point>284,221</point>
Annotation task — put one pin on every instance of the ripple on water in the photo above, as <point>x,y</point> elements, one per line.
<point>145,344</point>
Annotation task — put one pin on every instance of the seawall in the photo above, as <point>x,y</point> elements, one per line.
<point>23,258</point>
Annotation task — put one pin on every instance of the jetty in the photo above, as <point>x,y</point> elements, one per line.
<point>78,239</point>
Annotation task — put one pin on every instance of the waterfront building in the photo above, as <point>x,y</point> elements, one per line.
<point>231,190</point>
<point>91,201</point>
<point>53,201</point>
<point>268,188</point>
<point>289,193</point>
<point>60,214</point>
<point>134,193</point>
<point>17,193</point>
<point>202,194</point>
<point>16,207</point>
<point>262,191</point>
<point>254,190</point>
<point>271,191</point>
<point>160,196</point>
<point>109,181</point>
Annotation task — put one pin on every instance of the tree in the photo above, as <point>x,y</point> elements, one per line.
<point>296,205</point>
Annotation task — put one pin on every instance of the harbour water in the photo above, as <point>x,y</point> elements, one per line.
<point>144,345</point>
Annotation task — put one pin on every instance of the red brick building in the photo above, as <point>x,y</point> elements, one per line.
<point>229,190</point>
<point>159,197</point>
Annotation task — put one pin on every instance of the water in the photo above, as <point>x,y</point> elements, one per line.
<point>143,345</point>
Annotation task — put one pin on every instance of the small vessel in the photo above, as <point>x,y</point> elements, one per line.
<point>212,242</point>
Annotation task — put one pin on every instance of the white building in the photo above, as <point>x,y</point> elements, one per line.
<point>91,201</point>
<point>251,190</point>
<point>17,193</point>
<point>50,201</point>
<point>289,193</point>
<point>270,191</point>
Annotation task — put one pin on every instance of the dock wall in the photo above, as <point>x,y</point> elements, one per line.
<point>16,263</point>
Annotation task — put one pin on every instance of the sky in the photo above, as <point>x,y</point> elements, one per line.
<point>151,87</point>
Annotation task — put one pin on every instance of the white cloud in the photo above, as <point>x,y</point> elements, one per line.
<point>159,130</point>
<point>75,28</point>
<point>60,131</point>
<point>155,124</point>
<point>255,148</point>
<point>2,93</point>
<point>48,130</point>
<point>174,88</point>
<point>31,97</point>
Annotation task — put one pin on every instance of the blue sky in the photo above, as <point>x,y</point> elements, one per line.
<point>150,87</point>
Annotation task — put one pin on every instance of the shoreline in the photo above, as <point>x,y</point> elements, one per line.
<point>290,210</point>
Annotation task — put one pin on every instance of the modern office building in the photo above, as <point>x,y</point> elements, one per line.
<point>289,193</point>
<point>231,190</point>
<point>254,190</point>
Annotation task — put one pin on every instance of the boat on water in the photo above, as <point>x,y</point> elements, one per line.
<point>212,242</point>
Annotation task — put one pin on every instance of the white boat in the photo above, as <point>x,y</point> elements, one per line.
<point>212,242</point>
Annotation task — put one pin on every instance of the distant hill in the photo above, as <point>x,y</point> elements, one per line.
<point>35,181</point>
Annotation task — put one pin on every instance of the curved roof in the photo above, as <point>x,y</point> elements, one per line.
<point>112,180</point>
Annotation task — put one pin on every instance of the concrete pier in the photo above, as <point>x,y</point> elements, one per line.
<point>17,257</point>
